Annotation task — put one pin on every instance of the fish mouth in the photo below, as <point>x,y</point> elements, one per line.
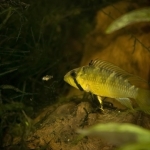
<point>66,78</point>
<point>70,80</point>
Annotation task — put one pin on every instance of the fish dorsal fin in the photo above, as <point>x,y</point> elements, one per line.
<point>115,69</point>
<point>110,67</point>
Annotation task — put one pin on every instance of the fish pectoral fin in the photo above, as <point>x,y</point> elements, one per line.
<point>126,102</point>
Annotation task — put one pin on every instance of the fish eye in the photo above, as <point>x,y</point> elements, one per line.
<point>73,74</point>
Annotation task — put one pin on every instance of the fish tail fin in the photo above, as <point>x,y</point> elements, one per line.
<point>143,100</point>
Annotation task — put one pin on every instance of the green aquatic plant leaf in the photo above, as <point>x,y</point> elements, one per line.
<point>142,15</point>
<point>119,134</point>
<point>137,146</point>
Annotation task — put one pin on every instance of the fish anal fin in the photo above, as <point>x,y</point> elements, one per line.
<point>143,100</point>
<point>126,102</point>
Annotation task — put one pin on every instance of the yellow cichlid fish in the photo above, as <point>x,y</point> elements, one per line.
<point>107,80</point>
